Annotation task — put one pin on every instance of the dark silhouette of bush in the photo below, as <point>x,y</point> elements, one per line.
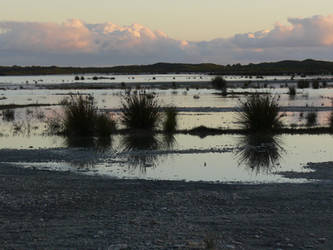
<point>292,91</point>
<point>303,84</point>
<point>140,111</point>
<point>260,113</point>
<point>8,115</point>
<point>220,83</point>
<point>82,119</point>
<point>311,119</point>
<point>315,84</point>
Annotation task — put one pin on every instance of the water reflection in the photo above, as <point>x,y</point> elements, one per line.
<point>141,149</point>
<point>99,143</point>
<point>260,152</point>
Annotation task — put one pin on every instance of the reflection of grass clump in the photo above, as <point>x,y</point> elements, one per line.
<point>260,113</point>
<point>140,111</point>
<point>170,122</point>
<point>8,115</point>
<point>311,119</point>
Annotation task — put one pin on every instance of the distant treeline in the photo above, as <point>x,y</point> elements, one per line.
<point>306,67</point>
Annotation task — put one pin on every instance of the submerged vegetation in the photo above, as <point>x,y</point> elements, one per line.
<point>260,113</point>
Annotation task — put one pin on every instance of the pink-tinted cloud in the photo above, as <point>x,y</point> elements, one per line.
<point>75,42</point>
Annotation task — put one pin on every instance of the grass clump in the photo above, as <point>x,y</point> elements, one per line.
<point>315,84</point>
<point>292,91</point>
<point>82,119</point>
<point>311,119</point>
<point>260,113</point>
<point>140,111</point>
<point>220,83</point>
<point>8,115</point>
<point>303,84</point>
<point>170,122</point>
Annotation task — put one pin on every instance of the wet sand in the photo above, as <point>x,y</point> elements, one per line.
<point>62,210</point>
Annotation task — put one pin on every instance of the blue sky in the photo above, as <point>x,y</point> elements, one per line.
<point>147,31</point>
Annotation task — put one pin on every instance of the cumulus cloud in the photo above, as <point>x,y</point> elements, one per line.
<point>75,42</point>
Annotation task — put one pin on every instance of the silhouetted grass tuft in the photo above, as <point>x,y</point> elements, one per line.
<point>315,84</point>
<point>8,115</point>
<point>170,122</point>
<point>292,91</point>
<point>140,111</point>
<point>311,119</point>
<point>303,84</point>
<point>260,113</point>
<point>81,119</point>
<point>220,83</point>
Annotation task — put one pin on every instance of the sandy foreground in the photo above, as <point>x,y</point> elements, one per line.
<point>62,210</point>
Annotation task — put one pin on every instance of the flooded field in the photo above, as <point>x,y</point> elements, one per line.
<point>24,138</point>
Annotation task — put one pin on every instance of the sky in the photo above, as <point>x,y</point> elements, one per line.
<point>114,32</point>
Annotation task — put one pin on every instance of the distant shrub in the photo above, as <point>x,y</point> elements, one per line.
<point>324,84</point>
<point>292,91</point>
<point>170,122</point>
<point>260,113</point>
<point>315,84</point>
<point>311,119</point>
<point>77,78</point>
<point>220,83</point>
<point>302,84</point>
<point>8,115</point>
<point>140,111</point>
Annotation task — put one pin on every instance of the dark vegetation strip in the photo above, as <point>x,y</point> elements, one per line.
<point>309,67</point>
<point>15,106</point>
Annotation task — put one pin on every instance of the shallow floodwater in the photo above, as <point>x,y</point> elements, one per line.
<point>224,158</point>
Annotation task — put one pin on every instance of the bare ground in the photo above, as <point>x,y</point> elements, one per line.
<point>53,210</point>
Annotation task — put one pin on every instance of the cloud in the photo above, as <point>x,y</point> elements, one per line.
<point>75,42</point>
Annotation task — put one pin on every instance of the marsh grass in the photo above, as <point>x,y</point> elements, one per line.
<point>315,84</point>
<point>140,111</point>
<point>260,113</point>
<point>79,115</point>
<point>170,122</point>
<point>8,115</point>
<point>311,119</point>
<point>303,84</point>
<point>220,83</point>
<point>82,119</point>
<point>292,91</point>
